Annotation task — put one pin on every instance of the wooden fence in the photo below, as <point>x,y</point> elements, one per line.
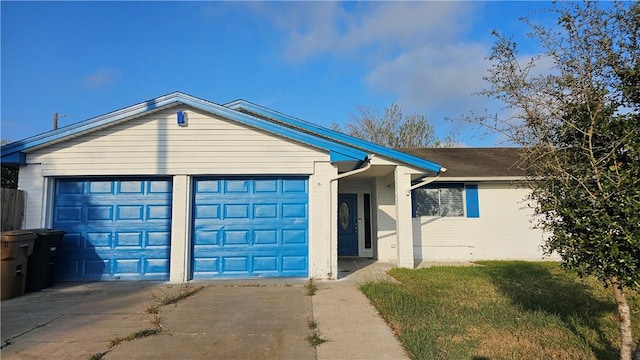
<point>12,209</point>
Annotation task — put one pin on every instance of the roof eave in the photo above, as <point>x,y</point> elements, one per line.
<point>480,178</point>
<point>338,152</point>
<point>91,124</point>
<point>337,136</point>
<point>14,159</point>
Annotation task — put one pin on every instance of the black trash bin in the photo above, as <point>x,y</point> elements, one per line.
<point>40,273</point>
<point>17,246</point>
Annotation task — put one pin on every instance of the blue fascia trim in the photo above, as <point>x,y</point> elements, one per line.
<point>338,151</point>
<point>336,157</point>
<point>14,159</point>
<point>342,152</point>
<point>90,124</point>
<point>334,135</point>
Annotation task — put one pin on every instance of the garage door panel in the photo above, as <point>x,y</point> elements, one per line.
<point>235,264</point>
<point>250,227</point>
<point>129,212</point>
<point>95,239</point>
<point>265,237</point>
<point>117,229</point>
<point>206,266</point>
<point>129,239</point>
<point>70,187</point>
<point>158,212</point>
<point>100,213</point>
<point>68,213</point>
<point>94,269</point>
<point>265,263</point>
<point>293,263</point>
<point>266,185</point>
<point>127,266</point>
<point>206,237</point>
<point>158,238</point>
<point>236,211</point>
<point>294,236</point>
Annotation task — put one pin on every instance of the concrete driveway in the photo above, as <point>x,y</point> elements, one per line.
<point>223,321</point>
<point>258,319</point>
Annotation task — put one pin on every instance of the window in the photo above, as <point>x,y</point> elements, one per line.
<point>367,221</point>
<point>440,200</point>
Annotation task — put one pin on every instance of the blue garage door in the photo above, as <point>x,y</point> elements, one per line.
<point>117,229</point>
<point>250,227</point>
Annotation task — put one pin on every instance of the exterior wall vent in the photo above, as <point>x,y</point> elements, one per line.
<point>182,118</point>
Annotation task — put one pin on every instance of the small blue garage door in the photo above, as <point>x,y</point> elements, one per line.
<point>250,227</point>
<point>117,229</point>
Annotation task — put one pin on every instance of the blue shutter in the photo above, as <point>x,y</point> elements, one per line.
<point>473,206</point>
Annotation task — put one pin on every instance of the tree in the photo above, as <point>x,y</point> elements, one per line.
<point>579,125</point>
<point>393,130</point>
<point>9,176</point>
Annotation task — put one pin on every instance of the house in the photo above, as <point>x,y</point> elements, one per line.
<point>179,188</point>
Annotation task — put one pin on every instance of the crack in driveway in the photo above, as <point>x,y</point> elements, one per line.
<point>8,341</point>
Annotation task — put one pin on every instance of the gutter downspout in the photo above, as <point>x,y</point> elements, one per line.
<point>363,167</point>
<point>426,181</point>
<point>366,165</point>
<point>422,183</point>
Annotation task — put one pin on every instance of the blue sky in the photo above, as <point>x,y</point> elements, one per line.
<point>317,61</point>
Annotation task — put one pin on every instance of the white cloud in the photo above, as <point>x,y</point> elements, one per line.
<point>435,77</point>
<point>411,50</point>
<point>101,77</point>
<point>316,28</point>
<point>426,55</point>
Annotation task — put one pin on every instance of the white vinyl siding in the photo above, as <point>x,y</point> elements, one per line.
<point>156,145</point>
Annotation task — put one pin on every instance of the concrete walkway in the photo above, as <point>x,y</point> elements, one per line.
<point>257,319</point>
<point>346,317</point>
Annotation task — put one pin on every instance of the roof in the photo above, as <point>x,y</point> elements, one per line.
<point>341,147</point>
<point>473,163</point>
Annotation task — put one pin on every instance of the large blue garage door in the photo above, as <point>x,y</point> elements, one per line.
<point>250,227</point>
<point>117,229</point>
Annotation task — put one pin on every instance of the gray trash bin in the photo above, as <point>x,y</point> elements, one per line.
<point>17,246</point>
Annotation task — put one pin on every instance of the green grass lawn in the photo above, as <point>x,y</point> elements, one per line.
<point>501,310</point>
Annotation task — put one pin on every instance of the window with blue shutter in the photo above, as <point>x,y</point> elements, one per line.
<point>446,199</point>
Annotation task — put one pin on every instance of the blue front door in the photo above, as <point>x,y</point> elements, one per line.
<point>250,227</point>
<point>347,224</point>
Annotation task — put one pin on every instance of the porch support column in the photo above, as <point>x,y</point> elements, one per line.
<point>404,230</point>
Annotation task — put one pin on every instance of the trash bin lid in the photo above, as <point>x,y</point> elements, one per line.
<point>45,232</point>
<point>17,235</point>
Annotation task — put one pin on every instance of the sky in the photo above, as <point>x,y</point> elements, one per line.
<point>317,61</point>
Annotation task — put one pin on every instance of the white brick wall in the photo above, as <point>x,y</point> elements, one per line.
<point>385,221</point>
<point>502,232</point>
<point>323,233</point>
<point>30,180</point>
